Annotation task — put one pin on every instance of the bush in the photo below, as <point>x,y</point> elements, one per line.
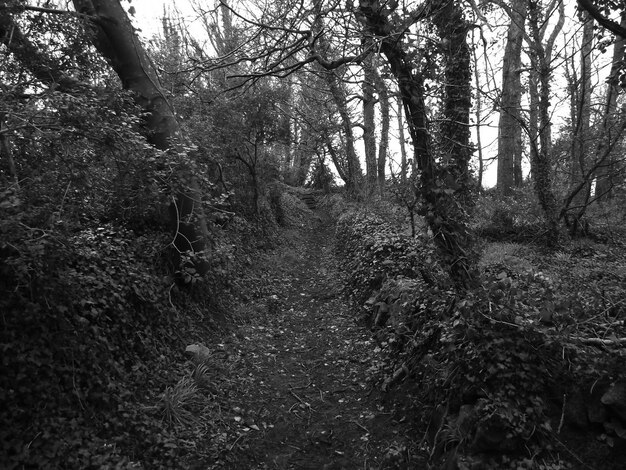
<point>513,218</point>
<point>374,251</point>
<point>488,385</point>
<point>87,330</point>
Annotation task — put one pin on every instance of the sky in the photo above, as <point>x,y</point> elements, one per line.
<point>147,18</point>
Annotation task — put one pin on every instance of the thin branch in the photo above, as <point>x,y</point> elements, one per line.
<point>602,20</point>
<point>55,11</point>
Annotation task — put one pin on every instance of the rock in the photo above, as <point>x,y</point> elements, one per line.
<point>616,426</point>
<point>615,399</point>
<point>490,435</point>
<point>596,412</point>
<point>466,420</point>
<point>396,458</point>
<point>199,352</point>
<point>576,411</point>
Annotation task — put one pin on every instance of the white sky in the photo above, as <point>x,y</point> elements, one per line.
<point>149,12</point>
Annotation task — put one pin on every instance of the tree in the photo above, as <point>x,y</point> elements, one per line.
<point>611,127</point>
<point>385,111</point>
<point>115,39</point>
<point>580,111</point>
<point>374,84</point>
<point>404,164</point>
<point>369,122</point>
<point>444,186</point>
<point>332,74</point>
<point>540,125</point>
<point>509,128</point>
<point>604,21</point>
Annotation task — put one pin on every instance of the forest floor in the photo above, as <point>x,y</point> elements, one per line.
<point>295,384</point>
<point>298,396</point>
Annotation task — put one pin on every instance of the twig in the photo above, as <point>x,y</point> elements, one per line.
<point>169,296</point>
<point>361,426</point>
<point>398,375</point>
<point>291,387</point>
<point>572,453</point>
<point>558,431</point>
<point>235,443</point>
<point>600,341</point>
<point>301,400</point>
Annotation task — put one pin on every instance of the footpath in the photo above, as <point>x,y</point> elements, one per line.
<point>304,398</point>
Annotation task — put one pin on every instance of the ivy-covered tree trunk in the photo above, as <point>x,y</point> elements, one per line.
<point>404,164</point>
<point>6,155</point>
<point>509,128</point>
<point>456,149</point>
<point>444,187</point>
<point>115,39</point>
<point>540,127</point>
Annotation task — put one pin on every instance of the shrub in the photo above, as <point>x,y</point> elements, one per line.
<point>86,330</point>
<point>513,218</point>
<point>374,252</point>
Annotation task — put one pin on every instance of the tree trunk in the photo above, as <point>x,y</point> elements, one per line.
<point>307,151</point>
<point>404,169</point>
<point>540,123</point>
<point>383,99</point>
<point>509,128</point>
<point>369,125</point>
<point>580,157</point>
<point>604,181</point>
<point>339,166</point>
<point>352,169</point>
<point>6,153</point>
<point>455,129</point>
<point>115,39</point>
<point>479,119</point>
<point>444,196</point>
<point>353,166</point>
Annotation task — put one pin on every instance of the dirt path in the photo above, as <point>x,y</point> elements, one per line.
<point>306,402</point>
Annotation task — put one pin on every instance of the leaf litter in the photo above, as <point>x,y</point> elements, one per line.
<point>300,394</point>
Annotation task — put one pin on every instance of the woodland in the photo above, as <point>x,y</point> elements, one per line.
<point>313,234</point>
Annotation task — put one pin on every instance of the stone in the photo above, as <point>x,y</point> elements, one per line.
<point>199,352</point>
<point>596,412</point>
<point>576,411</point>
<point>615,399</point>
<point>490,435</point>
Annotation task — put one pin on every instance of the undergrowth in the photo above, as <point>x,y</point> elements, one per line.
<point>88,334</point>
<point>499,377</point>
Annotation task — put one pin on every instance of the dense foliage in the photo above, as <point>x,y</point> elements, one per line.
<point>132,221</point>
<point>498,373</point>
